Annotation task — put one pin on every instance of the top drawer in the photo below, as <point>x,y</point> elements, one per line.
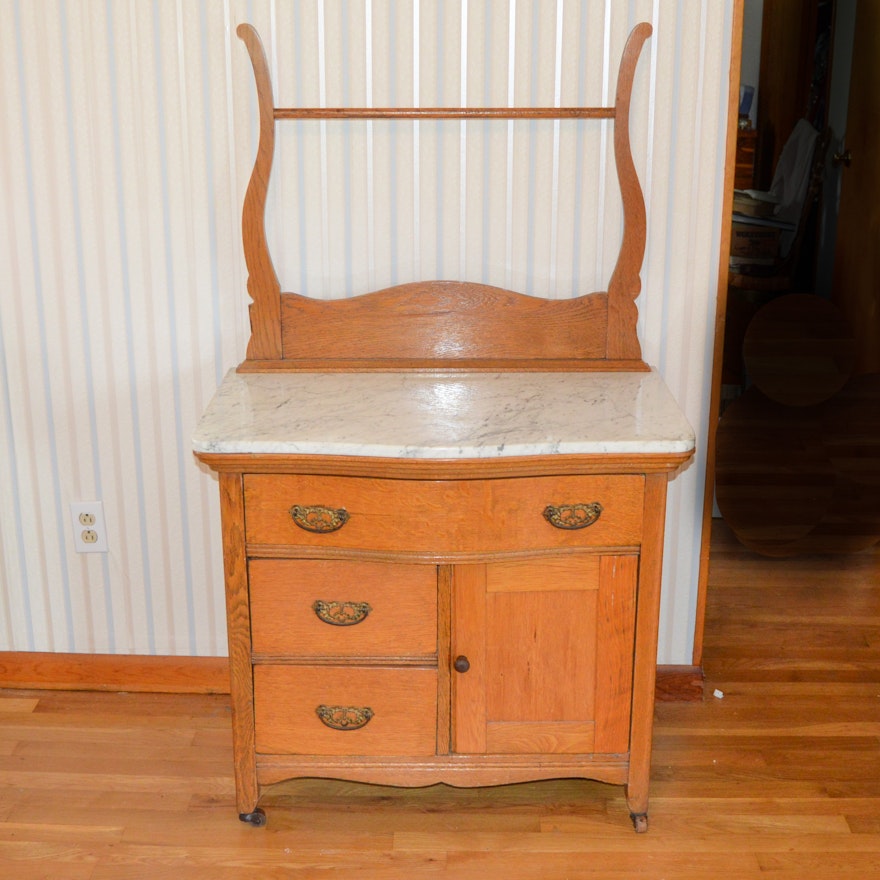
<point>443,517</point>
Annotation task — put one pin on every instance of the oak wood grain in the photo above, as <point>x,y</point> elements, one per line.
<point>439,469</point>
<point>263,285</point>
<point>401,618</point>
<point>469,696</point>
<point>428,365</point>
<point>443,517</point>
<point>538,670</point>
<point>438,322</point>
<point>541,737</point>
<point>210,675</point>
<point>114,672</point>
<point>444,112</point>
<point>645,660</point>
<point>238,627</point>
<point>615,626</point>
<point>402,702</point>
<point>443,321</point>
<point>524,628</point>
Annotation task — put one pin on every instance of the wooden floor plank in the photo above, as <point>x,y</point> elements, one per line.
<point>47,869</point>
<point>17,705</point>
<point>30,804</point>
<point>85,834</point>
<point>776,777</point>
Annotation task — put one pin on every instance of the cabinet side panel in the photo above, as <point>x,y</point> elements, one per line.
<point>615,625</point>
<point>645,664</point>
<point>239,633</point>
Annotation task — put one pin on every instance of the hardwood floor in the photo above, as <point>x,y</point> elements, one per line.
<point>779,778</point>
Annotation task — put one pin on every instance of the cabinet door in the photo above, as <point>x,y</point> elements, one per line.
<point>548,646</point>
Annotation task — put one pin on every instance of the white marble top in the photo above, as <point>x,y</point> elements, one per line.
<point>443,415</point>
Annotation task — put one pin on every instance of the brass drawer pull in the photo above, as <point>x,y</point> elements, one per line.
<point>341,613</point>
<point>572,516</point>
<point>319,519</point>
<point>344,717</point>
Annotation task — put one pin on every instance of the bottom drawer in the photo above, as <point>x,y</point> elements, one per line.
<point>366,711</point>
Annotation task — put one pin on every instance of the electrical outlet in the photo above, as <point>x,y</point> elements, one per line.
<point>89,530</point>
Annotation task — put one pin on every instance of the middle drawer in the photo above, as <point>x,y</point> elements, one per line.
<point>339,608</point>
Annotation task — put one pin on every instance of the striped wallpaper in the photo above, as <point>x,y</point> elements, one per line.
<point>127,134</point>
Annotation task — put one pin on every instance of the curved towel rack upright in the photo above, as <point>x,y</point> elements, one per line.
<point>621,345</point>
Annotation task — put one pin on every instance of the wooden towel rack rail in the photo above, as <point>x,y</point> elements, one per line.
<point>443,324</point>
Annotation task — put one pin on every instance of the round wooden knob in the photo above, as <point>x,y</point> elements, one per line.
<point>462,664</point>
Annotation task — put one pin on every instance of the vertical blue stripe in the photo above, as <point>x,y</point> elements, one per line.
<point>40,304</point>
<point>253,121</point>
<point>533,150</point>
<point>183,458</point>
<point>670,199</point>
<point>393,230</point>
<point>16,503</point>
<point>207,128</point>
<point>347,152</point>
<point>438,232</point>
<point>130,335</point>
<point>416,74</point>
<point>15,490</point>
<point>94,436</point>
<point>15,486</point>
<point>302,223</point>
<point>487,137</point>
<point>648,185</point>
<point>609,98</point>
<point>578,224</point>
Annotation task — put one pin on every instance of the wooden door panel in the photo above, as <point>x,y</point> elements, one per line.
<point>541,655</point>
<point>549,574</point>
<point>615,639</point>
<point>550,650</point>
<point>540,737</point>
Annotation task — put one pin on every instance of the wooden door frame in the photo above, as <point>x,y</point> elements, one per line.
<point>720,314</point>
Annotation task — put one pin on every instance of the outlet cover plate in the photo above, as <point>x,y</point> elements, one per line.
<point>89,528</point>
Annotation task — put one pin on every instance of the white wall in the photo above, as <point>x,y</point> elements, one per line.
<point>127,131</point>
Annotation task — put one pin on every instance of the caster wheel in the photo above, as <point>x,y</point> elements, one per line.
<point>640,822</point>
<point>256,818</point>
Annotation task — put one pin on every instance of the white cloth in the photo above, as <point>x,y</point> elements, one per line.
<point>791,178</point>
